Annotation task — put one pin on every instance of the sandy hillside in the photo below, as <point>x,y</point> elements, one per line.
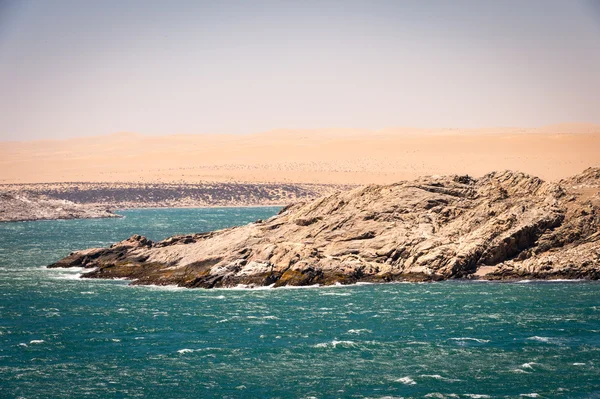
<point>345,156</point>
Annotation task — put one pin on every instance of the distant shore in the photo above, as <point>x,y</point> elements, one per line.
<point>200,207</point>
<point>28,202</point>
<point>17,207</point>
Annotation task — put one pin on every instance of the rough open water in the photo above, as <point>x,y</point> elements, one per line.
<point>63,337</point>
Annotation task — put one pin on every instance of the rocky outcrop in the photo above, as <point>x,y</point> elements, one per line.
<point>16,207</point>
<point>505,225</point>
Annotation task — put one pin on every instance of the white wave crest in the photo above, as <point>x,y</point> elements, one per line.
<point>170,287</point>
<point>336,343</point>
<point>329,293</point>
<point>470,339</point>
<point>528,365</point>
<point>439,377</point>
<point>68,276</point>
<point>406,381</point>
<point>247,287</point>
<point>359,331</point>
<point>546,340</point>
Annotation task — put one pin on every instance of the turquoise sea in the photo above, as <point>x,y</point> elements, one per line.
<point>63,337</point>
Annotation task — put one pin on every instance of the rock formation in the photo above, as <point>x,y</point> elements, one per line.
<point>18,207</point>
<point>505,225</point>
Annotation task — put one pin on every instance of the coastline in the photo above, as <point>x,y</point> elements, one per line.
<point>503,226</point>
<point>115,216</point>
<point>201,207</point>
<point>78,273</point>
<point>81,200</point>
<point>115,212</point>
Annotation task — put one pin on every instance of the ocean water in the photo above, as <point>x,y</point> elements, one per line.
<point>64,337</point>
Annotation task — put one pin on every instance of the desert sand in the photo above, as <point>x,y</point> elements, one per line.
<point>341,156</point>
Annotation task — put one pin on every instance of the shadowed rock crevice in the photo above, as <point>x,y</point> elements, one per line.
<point>505,225</point>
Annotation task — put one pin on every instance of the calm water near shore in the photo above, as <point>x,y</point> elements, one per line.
<point>64,337</point>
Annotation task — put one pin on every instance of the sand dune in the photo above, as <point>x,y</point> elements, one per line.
<point>343,156</point>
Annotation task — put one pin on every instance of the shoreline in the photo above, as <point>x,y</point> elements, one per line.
<point>79,275</point>
<point>116,215</point>
<point>200,207</point>
<point>77,200</point>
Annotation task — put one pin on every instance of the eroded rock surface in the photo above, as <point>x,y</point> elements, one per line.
<point>505,225</point>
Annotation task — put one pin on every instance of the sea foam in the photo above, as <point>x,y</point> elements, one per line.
<point>470,339</point>
<point>439,377</point>
<point>336,343</point>
<point>406,381</point>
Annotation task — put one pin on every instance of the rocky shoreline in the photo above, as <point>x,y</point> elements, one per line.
<point>502,226</point>
<point>15,207</point>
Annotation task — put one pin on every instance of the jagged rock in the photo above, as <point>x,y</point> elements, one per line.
<point>505,225</point>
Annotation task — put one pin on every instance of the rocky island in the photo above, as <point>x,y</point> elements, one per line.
<point>504,225</point>
<point>26,207</point>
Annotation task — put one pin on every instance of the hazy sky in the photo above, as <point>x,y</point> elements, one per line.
<point>80,68</point>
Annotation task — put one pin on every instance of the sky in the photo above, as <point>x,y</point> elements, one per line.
<point>71,68</point>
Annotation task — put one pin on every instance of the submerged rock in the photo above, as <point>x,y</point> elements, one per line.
<point>505,225</point>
